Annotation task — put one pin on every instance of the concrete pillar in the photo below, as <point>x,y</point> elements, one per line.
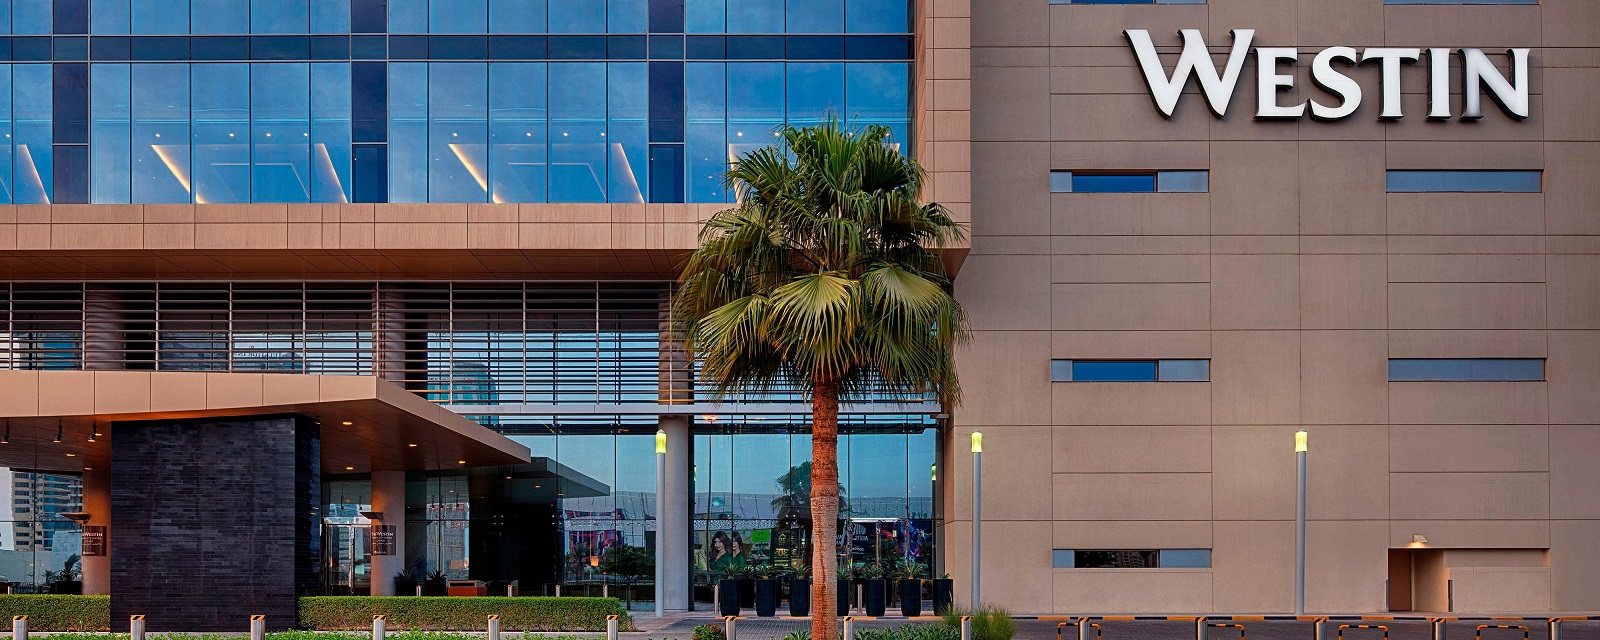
<point>672,518</point>
<point>97,503</point>
<point>389,498</point>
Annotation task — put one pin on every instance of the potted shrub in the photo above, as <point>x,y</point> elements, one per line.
<point>435,584</point>
<point>873,592</point>
<point>405,583</point>
<point>800,592</point>
<point>766,592</point>
<point>944,590</point>
<point>911,572</point>
<point>844,588</point>
<point>728,595</point>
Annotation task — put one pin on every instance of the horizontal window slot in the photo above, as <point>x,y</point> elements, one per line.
<point>1130,182</point>
<point>1130,558</point>
<point>1130,370</point>
<point>1406,181</point>
<point>1466,370</point>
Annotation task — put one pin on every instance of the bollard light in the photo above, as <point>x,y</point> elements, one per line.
<point>661,441</point>
<point>1300,524</point>
<point>661,501</point>
<point>977,442</point>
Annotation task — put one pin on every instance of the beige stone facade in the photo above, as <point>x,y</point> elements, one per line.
<point>1298,277</point>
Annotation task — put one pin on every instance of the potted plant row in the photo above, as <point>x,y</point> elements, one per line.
<point>911,572</point>
<point>800,592</point>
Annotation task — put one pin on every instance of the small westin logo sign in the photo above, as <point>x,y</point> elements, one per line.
<point>1478,74</point>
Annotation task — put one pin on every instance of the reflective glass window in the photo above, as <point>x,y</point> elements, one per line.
<point>5,16</point>
<point>755,105</point>
<point>877,16</point>
<point>578,153</point>
<point>1185,558</point>
<point>880,93</point>
<point>109,17</point>
<point>815,90</point>
<point>280,16</point>
<point>161,133</point>
<point>705,16</point>
<point>1113,183</point>
<point>408,16</point>
<point>877,484</point>
<point>330,132</point>
<point>221,16</point>
<point>1464,181</point>
<point>1183,181</point>
<point>578,16</point>
<point>458,132</point>
<point>517,141</point>
<point>458,16</point>
<point>628,134</point>
<point>221,133</point>
<point>706,130</point>
<point>330,16</point>
<point>1184,370</point>
<point>110,128</point>
<point>32,131</point>
<point>408,132</point>
<point>7,180</point>
<point>160,16</point>
<point>31,17</point>
<point>517,16</point>
<point>627,16</point>
<point>1114,371</point>
<point>280,132</point>
<point>755,16</point>
<point>1466,369</point>
<point>814,16</point>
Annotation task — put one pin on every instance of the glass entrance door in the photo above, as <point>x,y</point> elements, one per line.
<point>347,559</point>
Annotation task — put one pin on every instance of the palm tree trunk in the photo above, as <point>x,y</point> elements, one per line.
<point>824,509</point>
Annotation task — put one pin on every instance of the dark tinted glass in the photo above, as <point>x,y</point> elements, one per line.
<point>666,47</point>
<point>705,47</point>
<point>666,102</point>
<point>30,49</point>
<point>280,48</point>
<point>666,173</point>
<point>370,169</point>
<point>577,47</point>
<point>70,17</point>
<point>666,16</point>
<point>1119,371</point>
<point>72,174</point>
<point>72,49</point>
<point>877,47</point>
<point>109,48</point>
<point>369,102</point>
<point>70,103</point>
<point>1091,183</point>
<point>408,47</point>
<point>161,48</point>
<point>369,16</point>
<point>220,48</point>
<point>815,47</point>
<point>755,47</point>
<point>458,47</point>
<point>627,47</point>
<point>1130,559</point>
<point>330,47</point>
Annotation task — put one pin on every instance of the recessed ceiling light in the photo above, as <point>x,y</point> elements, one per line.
<point>349,468</point>
<point>461,462</point>
<point>412,444</point>
<point>72,455</point>
<point>347,423</point>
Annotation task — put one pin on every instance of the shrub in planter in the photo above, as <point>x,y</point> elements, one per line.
<point>873,593</point>
<point>461,614</point>
<point>944,590</point>
<point>435,585</point>
<point>728,597</point>
<point>710,632</point>
<point>910,572</point>
<point>988,622</point>
<point>800,593</point>
<point>843,592</point>
<point>766,594</point>
<point>59,612</point>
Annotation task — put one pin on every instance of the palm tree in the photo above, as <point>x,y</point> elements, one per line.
<point>825,279</point>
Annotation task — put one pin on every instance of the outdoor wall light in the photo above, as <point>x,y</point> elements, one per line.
<point>661,441</point>
<point>977,442</point>
<point>79,517</point>
<point>1300,442</point>
<point>59,431</point>
<point>373,515</point>
<point>1418,541</point>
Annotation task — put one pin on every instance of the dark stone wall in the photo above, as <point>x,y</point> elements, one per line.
<point>214,521</point>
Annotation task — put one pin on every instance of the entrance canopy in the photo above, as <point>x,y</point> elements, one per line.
<point>367,424</point>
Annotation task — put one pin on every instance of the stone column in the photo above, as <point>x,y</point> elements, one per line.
<point>97,503</point>
<point>389,498</point>
<point>672,518</point>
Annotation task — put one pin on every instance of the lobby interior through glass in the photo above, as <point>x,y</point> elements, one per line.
<point>582,513</point>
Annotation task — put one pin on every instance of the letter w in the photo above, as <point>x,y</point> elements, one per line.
<point>1195,58</point>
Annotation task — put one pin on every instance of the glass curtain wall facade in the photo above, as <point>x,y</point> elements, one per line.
<point>40,549</point>
<point>549,364</point>
<point>236,101</point>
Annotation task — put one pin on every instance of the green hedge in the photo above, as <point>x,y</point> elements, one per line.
<point>59,612</point>
<point>331,613</point>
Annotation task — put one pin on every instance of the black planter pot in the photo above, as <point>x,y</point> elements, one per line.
<point>874,593</point>
<point>911,597</point>
<point>435,588</point>
<point>944,590</point>
<point>728,597</point>
<point>844,597</point>
<point>766,597</point>
<point>747,593</point>
<point>405,587</point>
<point>799,597</point>
<point>67,587</point>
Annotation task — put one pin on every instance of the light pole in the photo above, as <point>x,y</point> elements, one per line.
<point>1300,525</point>
<point>661,502</point>
<point>977,517</point>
